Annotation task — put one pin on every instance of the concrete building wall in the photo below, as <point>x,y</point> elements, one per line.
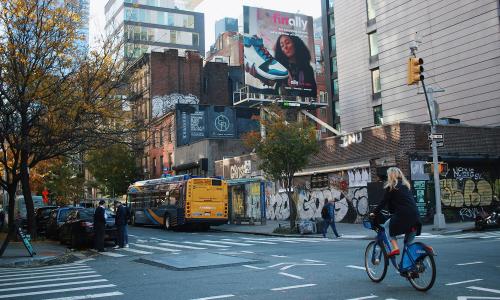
<point>353,65</point>
<point>460,46</point>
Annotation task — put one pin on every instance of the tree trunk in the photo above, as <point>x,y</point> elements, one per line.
<point>28,200</point>
<point>291,202</point>
<point>11,190</point>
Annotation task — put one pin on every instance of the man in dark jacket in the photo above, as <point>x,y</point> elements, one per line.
<point>329,219</point>
<point>99,225</point>
<point>121,224</point>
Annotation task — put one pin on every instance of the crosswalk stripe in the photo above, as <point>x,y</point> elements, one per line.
<point>261,242</point>
<point>48,280</point>
<point>112,254</point>
<point>208,244</point>
<point>56,291</point>
<point>42,273</point>
<point>228,243</point>
<point>156,248</point>
<point>51,285</point>
<point>45,276</point>
<point>181,246</point>
<point>6,274</point>
<point>91,296</point>
<point>135,251</point>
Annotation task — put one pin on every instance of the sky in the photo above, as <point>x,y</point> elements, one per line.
<point>215,10</point>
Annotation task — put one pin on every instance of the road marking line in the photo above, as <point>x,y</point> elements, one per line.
<point>312,260</point>
<point>51,285</point>
<point>279,256</point>
<point>135,251</point>
<point>249,252</point>
<point>112,254</point>
<point>275,265</point>
<point>45,276</point>
<point>293,287</point>
<point>366,297</point>
<point>293,265</point>
<point>355,267</point>
<point>483,289</point>
<point>208,244</point>
<point>476,297</point>
<point>90,296</point>
<point>46,280</point>
<point>181,246</point>
<point>4,274</point>
<point>466,281</point>
<point>260,242</point>
<point>215,297</point>
<point>228,243</point>
<point>470,263</point>
<point>290,275</point>
<point>57,291</point>
<point>254,267</point>
<point>133,235</point>
<point>24,273</point>
<point>465,236</point>
<point>156,248</point>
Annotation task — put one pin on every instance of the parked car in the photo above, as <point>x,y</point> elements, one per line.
<point>56,219</point>
<point>78,229</point>
<point>42,215</point>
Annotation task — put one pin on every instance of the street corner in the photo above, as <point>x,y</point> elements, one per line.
<point>42,259</point>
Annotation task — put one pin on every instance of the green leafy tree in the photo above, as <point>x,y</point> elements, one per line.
<point>284,150</point>
<point>113,168</point>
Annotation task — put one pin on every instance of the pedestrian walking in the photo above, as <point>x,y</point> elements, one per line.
<point>328,215</point>
<point>121,224</point>
<point>99,225</point>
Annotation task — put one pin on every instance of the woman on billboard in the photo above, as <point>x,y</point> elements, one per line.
<point>292,53</point>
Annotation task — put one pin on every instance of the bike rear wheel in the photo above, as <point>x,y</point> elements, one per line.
<point>376,261</point>
<point>423,276</point>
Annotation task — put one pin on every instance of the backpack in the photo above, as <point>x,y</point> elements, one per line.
<point>324,212</point>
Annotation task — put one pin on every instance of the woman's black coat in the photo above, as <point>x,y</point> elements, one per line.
<point>403,208</point>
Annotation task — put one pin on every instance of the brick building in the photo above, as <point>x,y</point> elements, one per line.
<point>348,168</point>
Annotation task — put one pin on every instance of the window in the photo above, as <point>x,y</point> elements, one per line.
<point>333,43</point>
<point>335,87</point>
<point>161,137</point>
<point>331,22</point>
<point>333,63</point>
<point>153,139</point>
<point>330,5</point>
<point>154,166</point>
<point>370,9</point>
<point>161,163</point>
<point>376,81</point>
<point>378,115</point>
<point>373,43</point>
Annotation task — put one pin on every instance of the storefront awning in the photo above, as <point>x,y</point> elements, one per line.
<point>330,169</point>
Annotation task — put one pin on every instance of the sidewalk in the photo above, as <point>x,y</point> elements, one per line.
<point>348,230</point>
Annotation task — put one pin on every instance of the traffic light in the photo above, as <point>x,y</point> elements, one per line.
<point>442,168</point>
<point>415,70</point>
<point>45,196</point>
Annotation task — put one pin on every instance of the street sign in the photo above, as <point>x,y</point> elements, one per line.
<point>439,144</point>
<point>436,136</point>
<point>291,104</point>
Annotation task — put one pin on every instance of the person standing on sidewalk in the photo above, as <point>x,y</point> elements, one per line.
<point>99,225</point>
<point>328,215</point>
<point>121,224</point>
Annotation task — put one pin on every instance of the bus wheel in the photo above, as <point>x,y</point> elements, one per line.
<point>166,222</point>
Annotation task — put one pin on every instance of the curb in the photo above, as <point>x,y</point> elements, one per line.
<point>288,235</point>
<point>42,262</point>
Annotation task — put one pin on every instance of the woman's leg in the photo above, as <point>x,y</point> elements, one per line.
<point>393,240</point>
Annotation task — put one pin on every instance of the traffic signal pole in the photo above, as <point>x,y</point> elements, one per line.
<point>439,221</point>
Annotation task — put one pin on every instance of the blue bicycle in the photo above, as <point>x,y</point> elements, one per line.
<point>417,260</point>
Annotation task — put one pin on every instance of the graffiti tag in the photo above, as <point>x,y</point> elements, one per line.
<point>466,173</point>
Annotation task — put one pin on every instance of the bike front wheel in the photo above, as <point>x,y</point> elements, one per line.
<point>376,261</point>
<point>423,276</point>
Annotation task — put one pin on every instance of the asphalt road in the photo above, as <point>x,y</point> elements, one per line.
<point>217,265</point>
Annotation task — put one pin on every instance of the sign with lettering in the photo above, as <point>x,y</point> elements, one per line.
<point>351,138</point>
<point>26,239</point>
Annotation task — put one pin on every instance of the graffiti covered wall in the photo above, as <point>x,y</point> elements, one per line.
<point>347,188</point>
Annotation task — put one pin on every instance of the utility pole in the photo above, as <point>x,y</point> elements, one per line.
<point>415,75</point>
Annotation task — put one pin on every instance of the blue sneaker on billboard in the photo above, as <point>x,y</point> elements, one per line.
<point>257,56</point>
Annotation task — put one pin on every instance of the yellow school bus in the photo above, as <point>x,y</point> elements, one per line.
<point>178,200</point>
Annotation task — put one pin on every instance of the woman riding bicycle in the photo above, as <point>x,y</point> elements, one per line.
<point>405,218</point>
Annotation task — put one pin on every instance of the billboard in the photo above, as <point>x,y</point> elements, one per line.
<point>195,122</point>
<point>279,52</point>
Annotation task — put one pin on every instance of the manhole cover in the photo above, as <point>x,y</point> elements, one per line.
<point>195,261</point>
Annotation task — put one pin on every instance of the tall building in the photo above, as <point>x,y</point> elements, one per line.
<point>369,45</point>
<point>154,25</point>
<point>225,25</point>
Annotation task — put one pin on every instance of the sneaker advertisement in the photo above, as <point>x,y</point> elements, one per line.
<point>279,52</point>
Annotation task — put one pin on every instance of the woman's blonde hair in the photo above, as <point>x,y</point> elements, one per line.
<point>393,175</point>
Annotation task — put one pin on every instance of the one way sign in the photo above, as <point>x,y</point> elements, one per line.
<point>436,136</point>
